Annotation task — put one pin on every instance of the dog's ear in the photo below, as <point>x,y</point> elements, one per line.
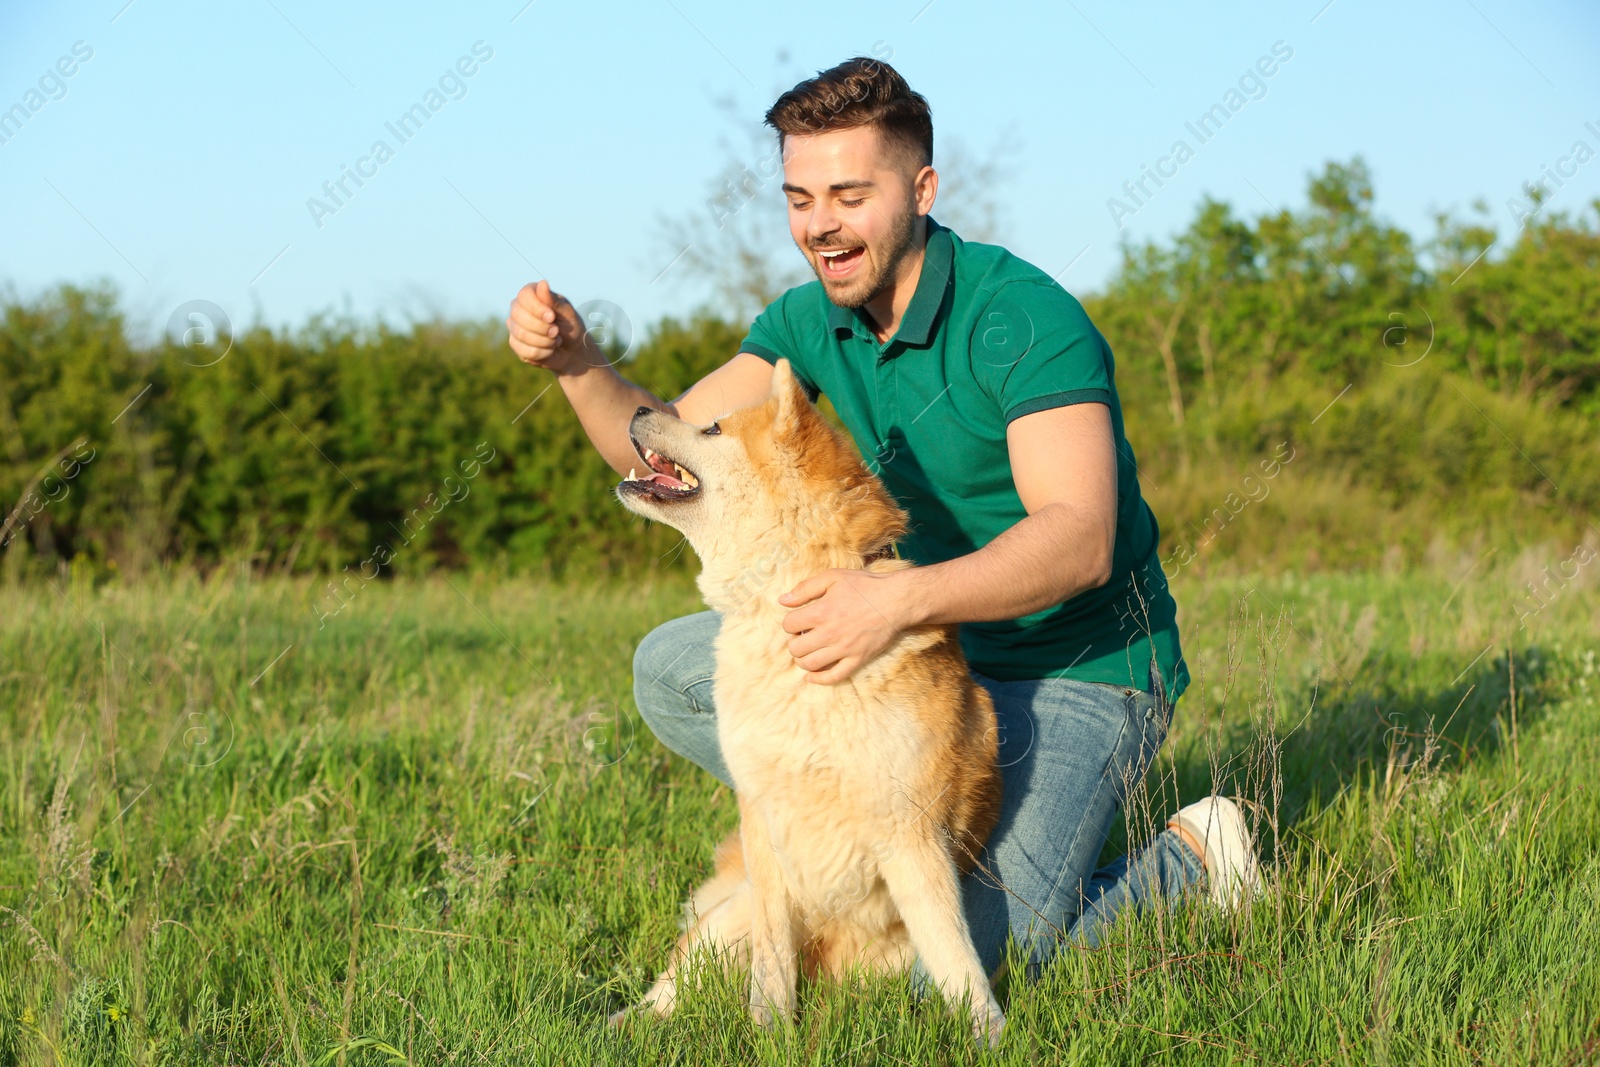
<point>790,396</point>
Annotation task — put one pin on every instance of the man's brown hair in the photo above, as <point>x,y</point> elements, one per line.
<point>858,92</point>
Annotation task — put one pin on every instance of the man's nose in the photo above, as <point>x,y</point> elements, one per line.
<point>821,223</point>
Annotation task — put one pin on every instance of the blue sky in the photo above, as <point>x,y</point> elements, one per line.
<point>179,158</point>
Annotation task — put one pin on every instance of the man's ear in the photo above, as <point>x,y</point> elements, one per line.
<point>925,189</point>
<point>790,396</point>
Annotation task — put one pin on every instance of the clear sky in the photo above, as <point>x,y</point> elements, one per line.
<point>179,157</point>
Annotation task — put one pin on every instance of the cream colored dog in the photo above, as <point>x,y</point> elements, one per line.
<point>860,803</point>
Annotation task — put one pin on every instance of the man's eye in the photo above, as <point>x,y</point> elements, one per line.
<point>799,205</point>
<point>853,203</point>
<point>712,430</point>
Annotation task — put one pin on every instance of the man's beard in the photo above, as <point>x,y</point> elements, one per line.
<point>875,279</point>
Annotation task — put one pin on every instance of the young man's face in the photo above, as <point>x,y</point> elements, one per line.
<point>853,205</point>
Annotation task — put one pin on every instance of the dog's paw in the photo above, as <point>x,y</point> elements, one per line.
<point>770,1016</point>
<point>988,1024</point>
<point>771,1001</point>
<point>617,1018</point>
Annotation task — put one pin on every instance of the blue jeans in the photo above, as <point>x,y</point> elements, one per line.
<point>1070,753</point>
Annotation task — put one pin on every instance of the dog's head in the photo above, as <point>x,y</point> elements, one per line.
<point>769,481</point>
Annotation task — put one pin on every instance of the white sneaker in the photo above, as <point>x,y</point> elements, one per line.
<point>1230,855</point>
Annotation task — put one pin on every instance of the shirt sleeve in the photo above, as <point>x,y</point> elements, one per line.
<point>771,338</point>
<point>1035,349</point>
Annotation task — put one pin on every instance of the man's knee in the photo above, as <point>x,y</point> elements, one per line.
<point>673,672</point>
<point>673,659</point>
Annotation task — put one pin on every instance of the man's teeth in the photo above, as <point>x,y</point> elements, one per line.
<point>836,252</point>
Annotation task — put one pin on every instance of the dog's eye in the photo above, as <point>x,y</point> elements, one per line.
<point>711,430</point>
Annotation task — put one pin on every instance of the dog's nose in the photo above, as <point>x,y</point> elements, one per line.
<point>645,410</point>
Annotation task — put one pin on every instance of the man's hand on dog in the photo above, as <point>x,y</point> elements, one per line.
<point>547,331</point>
<point>843,618</point>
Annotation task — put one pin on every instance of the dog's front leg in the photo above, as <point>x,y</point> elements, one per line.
<point>926,889</point>
<point>773,953</point>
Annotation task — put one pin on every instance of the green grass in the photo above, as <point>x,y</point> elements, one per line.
<point>435,829</point>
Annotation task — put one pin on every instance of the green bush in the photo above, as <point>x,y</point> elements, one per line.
<point>312,452</point>
<point>1427,391</point>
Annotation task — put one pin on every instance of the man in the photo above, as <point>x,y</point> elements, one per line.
<point>983,396</point>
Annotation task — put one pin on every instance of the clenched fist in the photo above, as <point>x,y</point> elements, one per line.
<point>546,331</point>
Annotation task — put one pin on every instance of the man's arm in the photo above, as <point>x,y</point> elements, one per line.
<point>546,331</point>
<point>1064,465</point>
<point>1065,468</point>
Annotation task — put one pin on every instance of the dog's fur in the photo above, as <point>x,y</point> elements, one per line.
<point>861,802</point>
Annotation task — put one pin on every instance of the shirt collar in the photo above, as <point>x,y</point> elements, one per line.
<point>916,325</point>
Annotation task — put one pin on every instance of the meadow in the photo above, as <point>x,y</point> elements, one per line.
<point>317,738</point>
<point>432,829</point>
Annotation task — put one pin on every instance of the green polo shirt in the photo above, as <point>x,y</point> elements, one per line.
<point>987,338</point>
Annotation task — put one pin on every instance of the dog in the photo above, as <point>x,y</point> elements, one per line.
<point>861,803</point>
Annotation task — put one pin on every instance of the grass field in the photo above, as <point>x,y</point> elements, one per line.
<point>432,829</point>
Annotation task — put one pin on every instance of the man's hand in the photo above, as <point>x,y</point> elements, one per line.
<point>847,618</point>
<point>546,331</point>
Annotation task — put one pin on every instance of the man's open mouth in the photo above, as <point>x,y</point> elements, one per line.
<point>666,479</point>
<point>840,262</point>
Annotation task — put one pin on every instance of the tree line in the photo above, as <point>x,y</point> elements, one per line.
<point>1446,388</point>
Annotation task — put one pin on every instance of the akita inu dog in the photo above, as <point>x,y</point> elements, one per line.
<point>860,803</point>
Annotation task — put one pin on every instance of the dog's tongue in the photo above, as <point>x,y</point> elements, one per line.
<point>667,480</point>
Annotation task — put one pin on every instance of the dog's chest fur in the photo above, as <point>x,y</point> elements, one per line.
<point>828,766</point>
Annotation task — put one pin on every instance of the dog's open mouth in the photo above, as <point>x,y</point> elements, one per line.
<point>666,479</point>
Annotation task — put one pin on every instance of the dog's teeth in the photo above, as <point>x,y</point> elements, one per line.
<point>633,474</point>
